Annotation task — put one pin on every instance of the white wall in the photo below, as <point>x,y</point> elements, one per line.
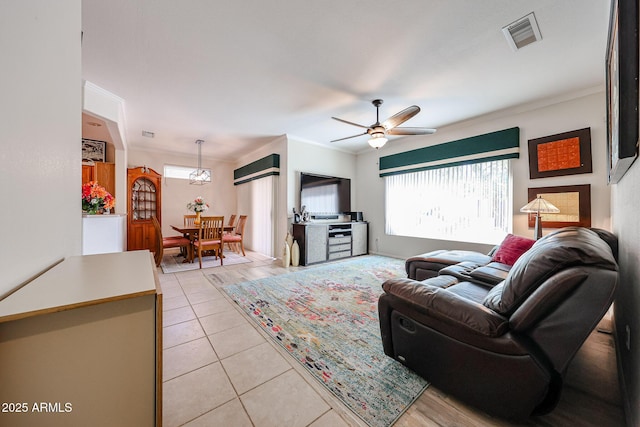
<point>40,156</point>
<point>312,158</point>
<point>176,193</point>
<point>625,205</point>
<point>101,103</point>
<point>534,121</point>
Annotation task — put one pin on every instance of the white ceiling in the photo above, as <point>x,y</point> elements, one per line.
<point>239,73</point>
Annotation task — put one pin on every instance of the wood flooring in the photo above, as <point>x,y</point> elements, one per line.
<point>590,397</point>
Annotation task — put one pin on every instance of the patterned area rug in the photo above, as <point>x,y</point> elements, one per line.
<point>172,263</point>
<point>326,317</point>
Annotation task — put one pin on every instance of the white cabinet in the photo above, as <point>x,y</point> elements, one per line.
<point>325,242</point>
<point>85,339</point>
<point>102,234</point>
<point>315,242</point>
<point>360,238</point>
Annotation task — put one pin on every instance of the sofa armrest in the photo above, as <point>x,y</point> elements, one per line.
<point>492,273</point>
<point>446,306</point>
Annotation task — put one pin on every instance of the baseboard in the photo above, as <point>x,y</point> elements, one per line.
<point>386,254</point>
<point>626,404</point>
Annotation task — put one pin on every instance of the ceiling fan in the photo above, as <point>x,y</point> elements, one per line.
<point>378,131</point>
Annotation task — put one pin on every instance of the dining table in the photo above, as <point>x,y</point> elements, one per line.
<point>191,232</point>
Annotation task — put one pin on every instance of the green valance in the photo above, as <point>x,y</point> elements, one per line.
<point>266,166</point>
<point>503,144</point>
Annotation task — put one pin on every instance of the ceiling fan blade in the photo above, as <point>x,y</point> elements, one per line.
<point>347,137</point>
<point>401,117</point>
<point>411,131</point>
<point>350,123</point>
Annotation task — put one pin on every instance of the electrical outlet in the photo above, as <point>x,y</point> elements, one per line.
<point>628,340</point>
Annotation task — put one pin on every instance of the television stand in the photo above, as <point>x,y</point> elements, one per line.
<point>322,242</point>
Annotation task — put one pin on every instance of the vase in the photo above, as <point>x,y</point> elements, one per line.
<point>295,254</point>
<point>196,221</point>
<point>286,255</point>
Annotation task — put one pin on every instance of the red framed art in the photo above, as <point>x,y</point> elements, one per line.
<point>567,153</point>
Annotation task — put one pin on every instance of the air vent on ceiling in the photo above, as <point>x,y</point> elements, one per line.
<point>522,32</point>
<point>148,134</point>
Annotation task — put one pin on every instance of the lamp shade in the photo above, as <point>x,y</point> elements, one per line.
<point>539,205</point>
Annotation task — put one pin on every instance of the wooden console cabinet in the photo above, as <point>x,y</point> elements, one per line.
<point>82,345</point>
<point>321,242</point>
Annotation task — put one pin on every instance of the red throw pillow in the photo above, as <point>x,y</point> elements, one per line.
<point>511,248</point>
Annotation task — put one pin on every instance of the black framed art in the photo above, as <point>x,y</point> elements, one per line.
<point>93,151</point>
<point>622,88</point>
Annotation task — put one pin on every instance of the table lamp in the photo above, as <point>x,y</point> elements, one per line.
<point>538,206</point>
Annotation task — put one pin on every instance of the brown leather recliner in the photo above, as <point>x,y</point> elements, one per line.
<point>504,349</point>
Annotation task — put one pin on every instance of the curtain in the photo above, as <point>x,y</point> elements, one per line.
<point>469,203</point>
<point>257,200</point>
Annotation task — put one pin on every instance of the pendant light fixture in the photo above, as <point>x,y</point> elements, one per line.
<point>199,176</point>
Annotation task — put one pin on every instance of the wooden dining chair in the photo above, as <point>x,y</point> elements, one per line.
<point>189,219</point>
<point>237,236</point>
<point>229,229</point>
<point>210,237</point>
<point>163,243</point>
<point>232,220</point>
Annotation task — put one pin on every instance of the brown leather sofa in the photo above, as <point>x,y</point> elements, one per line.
<point>504,348</point>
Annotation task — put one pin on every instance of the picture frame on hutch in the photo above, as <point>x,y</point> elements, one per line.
<point>622,88</point>
<point>567,153</point>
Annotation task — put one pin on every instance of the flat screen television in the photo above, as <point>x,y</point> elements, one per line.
<point>325,195</point>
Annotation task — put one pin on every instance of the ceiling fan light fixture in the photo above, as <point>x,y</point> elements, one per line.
<point>378,131</point>
<point>377,140</point>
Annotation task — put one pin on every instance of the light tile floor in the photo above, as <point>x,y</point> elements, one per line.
<point>219,369</point>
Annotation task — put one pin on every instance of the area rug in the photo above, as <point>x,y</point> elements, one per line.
<point>326,317</point>
<point>172,263</point>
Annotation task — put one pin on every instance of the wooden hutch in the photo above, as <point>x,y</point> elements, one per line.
<point>144,202</point>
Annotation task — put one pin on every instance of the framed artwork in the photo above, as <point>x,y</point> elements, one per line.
<point>574,202</point>
<point>622,88</point>
<point>93,151</point>
<point>567,153</point>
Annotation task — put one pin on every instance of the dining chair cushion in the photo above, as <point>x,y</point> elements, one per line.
<point>206,242</point>
<point>175,243</point>
<point>231,238</point>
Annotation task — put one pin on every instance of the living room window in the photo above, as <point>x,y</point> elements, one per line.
<point>180,172</point>
<point>470,202</point>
